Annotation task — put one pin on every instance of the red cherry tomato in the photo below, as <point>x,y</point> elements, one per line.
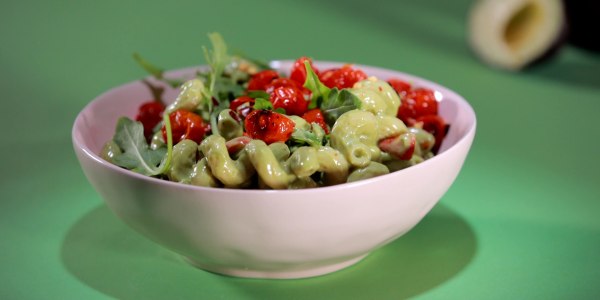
<point>286,82</point>
<point>435,125</point>
<point>242,105</point>
<point>186,125</point>
<point>281,82</point>
<point>260,80</point>
<point>289,98</point>
<point>298,73</point>
<point>344,77</point>
<point>400,86</point>
<point>397,146</point>
<point>268,126</point>
<point>150,114</point>
<point>315,115</point>
<point>417,103</point>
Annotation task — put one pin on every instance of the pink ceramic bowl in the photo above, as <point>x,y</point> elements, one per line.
<point>271,233</point>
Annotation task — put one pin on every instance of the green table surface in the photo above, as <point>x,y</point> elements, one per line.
<point>520,222</point>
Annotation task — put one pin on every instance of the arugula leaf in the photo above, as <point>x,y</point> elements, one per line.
<point>217,59</point>
<point>155,71</point>
<point>137,155</point>
<point>258,94</point>
<point>262,65</point>
<point>312,137</point>
<point>337,103</point>
<point>320,92</point>
<point>261,103</point>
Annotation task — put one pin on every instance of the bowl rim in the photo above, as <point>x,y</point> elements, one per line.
<point>80,146</point>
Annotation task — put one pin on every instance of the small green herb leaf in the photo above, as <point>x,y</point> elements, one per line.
<point>217,59</point>
<point>155,71</point>
<point>307,137</point>
<point>320,92</point>
<point>337,103</point>
<point>261,103</point>
<point>258,94</point>
<point>136,155</point>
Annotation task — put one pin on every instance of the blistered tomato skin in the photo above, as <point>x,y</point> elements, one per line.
<point>150,114</point>
<point>260,80</point>
<point>281,82</point>
<point>344,77</point>
<point>315,115</point>
<point>400,86</point>
<point>268,126</point>
<point>417,103</point>
<point>435,125</point>
<point>298,73</point>
<point>289,98</point>
<point>186,125</point>
<point>242,105</point>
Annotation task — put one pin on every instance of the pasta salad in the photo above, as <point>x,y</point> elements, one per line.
<point>241,124</point>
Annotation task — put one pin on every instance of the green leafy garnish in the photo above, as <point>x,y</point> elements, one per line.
<point>337,103</point>
<point>261,65</point>
<point>333,102</point>
<point>258,94</point>
<point>217,59</point>
<point>320,92</point>
<point>136,154</point>
<point>155,71</point>
<point>261,103</point>
<point>313,137</point>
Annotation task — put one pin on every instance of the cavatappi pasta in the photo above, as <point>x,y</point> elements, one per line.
<point>260,129</point>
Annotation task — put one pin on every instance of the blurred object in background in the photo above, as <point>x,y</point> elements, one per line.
<point>583,17</point>
<point>513,34</point>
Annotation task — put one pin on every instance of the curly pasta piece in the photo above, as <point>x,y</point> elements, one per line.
<point>333,165</point>
<point>377,97</point>
<point>389,126</point>
<point>232,173</point>
<point>304,162</point>
<point>229,125</point>
<point>425,141</point>
<point>190,96</point>
<point>183,161</point>
<point>270,170</point>
<point>110,150</point>
<point>202,175</point>
<point>373,169</point>
<point>354,134</point>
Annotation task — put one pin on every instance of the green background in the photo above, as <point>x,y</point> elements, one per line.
<point>521,221</point>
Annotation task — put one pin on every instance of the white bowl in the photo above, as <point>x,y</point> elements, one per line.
<point>267,233</point>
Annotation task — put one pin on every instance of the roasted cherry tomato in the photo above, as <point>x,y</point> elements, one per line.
<point>401,147</point>
<point>242,105</point>
<point>344,77</point>
<point>400,86</point>
<point>315,115</point>
<point>268,126</point>
<point>150,114</point>
<point>186,125</point>
<point>281,82</point>
<point>417,103</point>
<point>435,125</point>
<point>298,73</point>
<point>260,80</point>
<point>289,98</point>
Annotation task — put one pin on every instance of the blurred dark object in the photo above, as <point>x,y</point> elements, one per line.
<point>583,17</point>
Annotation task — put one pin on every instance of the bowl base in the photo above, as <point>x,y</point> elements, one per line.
<point>279,274</point>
